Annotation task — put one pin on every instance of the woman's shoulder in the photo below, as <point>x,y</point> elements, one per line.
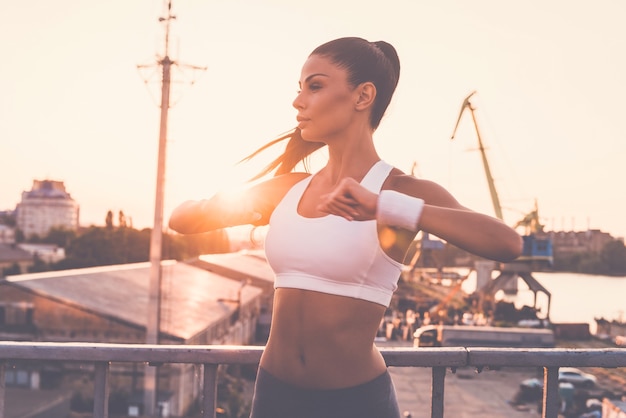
<point>403,182</point>
<point>430,191</point>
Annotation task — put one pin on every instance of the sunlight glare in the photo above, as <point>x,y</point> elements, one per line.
<point>387,238</point>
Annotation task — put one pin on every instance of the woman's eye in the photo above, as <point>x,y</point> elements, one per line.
<point>311,87</point>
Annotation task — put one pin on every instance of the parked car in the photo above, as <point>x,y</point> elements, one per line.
<point>576,377</point>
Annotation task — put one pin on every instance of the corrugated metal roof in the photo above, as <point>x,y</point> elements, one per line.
<point>238,265</point>
<point>189,296</point>
<point>11,253</point>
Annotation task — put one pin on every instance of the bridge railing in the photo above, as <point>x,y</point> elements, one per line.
<point>212,356</point>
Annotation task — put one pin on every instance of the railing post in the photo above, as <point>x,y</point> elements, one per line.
<point>551,397</point>
<point>439,376</point>
<point>209,391</point>
<point>101,390</point>
<point>3,366</point>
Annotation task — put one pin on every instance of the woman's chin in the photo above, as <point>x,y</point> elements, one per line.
<point>307,135</point>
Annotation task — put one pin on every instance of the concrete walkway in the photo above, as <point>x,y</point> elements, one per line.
<point>468,394</point>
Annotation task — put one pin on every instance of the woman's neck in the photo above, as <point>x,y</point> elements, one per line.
<point>349,163</point>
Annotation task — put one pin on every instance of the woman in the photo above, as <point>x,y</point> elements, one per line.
<point>337,239</point>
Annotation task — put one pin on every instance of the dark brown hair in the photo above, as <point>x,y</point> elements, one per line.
<point>375,62</point>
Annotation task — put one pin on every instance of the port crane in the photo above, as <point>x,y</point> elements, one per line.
<point>537,246</point>
<point>537,250</point>
<point>492,187</point>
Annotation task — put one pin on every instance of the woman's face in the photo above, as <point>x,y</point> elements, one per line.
<point>325,101</point>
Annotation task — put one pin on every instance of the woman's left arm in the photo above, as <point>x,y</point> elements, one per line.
<point>475,232</point>
<point>439,214</point>
<point>443,216</point>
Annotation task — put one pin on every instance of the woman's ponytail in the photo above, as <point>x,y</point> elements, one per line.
<point>296,150</point>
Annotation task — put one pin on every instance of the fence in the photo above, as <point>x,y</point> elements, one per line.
<point>438,359</point>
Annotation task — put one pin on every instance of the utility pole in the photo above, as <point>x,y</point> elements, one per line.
<point>156,241</point>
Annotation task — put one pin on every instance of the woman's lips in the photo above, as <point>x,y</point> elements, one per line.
<point>301,121</point>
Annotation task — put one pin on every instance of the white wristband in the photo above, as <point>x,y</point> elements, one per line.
<point>398,209</point>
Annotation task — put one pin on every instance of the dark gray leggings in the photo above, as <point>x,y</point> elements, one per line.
<point>274,398</point>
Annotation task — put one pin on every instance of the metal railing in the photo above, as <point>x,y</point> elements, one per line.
<point>211,357</point>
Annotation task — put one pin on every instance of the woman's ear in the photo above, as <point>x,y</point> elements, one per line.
<point>366,95</point>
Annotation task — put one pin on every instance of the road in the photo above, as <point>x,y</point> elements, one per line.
<point>468,394</point>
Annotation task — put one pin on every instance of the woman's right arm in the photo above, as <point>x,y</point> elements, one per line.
<point>253,206</point>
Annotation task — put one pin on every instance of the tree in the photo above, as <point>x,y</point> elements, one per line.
<point>121,219</point>
<point>19,236</point>
<point>109,220</point>
<point>102,246</point>
<point>613,256</point>
<point>181,247</point>
<point>59,236</point>
<point>105,246</point>
<point>9,271</point>
<point>34,239</point>
<point>7,218</point>
<point>38,265</point>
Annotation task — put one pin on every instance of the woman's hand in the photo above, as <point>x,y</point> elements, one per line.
<point>350,200</point>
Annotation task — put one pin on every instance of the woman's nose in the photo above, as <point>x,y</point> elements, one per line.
<point>297,102</point>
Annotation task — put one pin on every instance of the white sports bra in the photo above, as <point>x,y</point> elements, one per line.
<point>330,254</point>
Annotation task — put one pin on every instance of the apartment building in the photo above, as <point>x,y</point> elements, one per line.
<point>47,205</point>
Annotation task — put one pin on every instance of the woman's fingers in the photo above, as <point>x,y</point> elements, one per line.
<point>350,200</point>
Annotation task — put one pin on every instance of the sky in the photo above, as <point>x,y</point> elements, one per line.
<point>80,93</point>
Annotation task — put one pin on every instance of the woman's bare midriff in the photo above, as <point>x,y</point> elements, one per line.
<point>323,341</point>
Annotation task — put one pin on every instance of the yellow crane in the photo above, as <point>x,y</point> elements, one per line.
<point>492,188</point>
<point>537,251</point>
